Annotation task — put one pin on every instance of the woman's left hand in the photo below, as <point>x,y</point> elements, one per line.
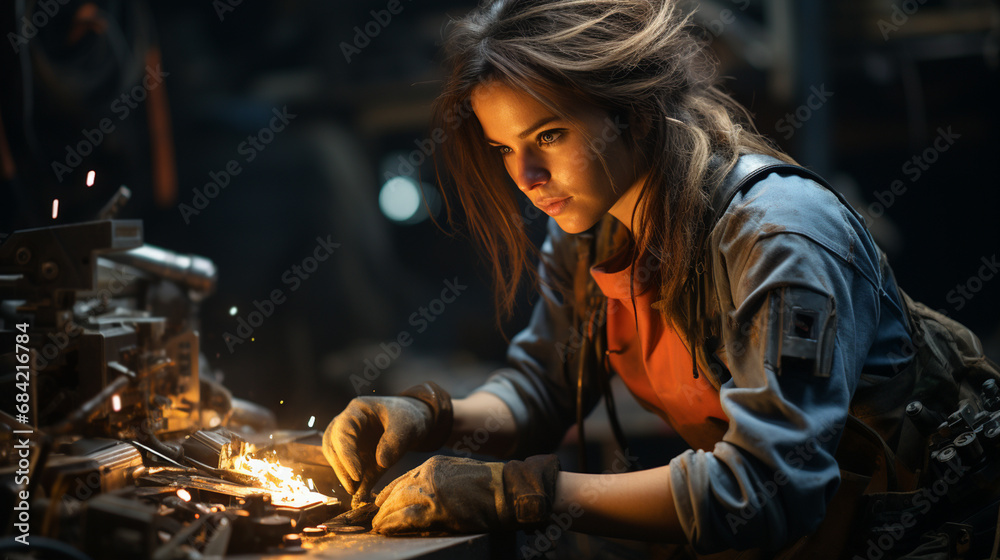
<point>459,495</point>
<point>451,494</point>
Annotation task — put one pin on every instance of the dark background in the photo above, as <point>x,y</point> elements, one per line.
<point>894,85</point>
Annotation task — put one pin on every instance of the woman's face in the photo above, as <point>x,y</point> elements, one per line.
<point>551,161</point>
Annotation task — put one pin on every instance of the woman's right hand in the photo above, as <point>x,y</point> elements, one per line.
<point>371,434</point>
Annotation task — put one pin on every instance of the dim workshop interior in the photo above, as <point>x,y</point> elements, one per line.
<point>221,226</point>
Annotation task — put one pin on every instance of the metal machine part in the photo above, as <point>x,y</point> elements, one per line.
<point>89,467</point>
<point>195,273</point>
<point>89,325</point>
<point>213,448</point>
<point>963,470</point>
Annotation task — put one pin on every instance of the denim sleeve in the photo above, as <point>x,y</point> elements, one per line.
<point>539,387</point>
<point>770,480</point>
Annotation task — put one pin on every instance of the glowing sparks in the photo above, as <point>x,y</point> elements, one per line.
<point>91,175</point>
<point>271,474</point>
<point>232,311</point>
<point>312,420</point>
<point>116,402</point>
<point>184,494</point>
<point>55,208</point>
<point>312,486</point>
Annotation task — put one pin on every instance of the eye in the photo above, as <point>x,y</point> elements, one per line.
<point>549,137</point>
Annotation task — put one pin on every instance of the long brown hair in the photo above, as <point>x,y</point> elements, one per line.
<point>638,58</point>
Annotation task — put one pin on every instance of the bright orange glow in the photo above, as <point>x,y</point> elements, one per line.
<point>272,474</point>
<point>116,402</point>
<point>184,494</point>
<point>90,177</point>
<point>55,208</point>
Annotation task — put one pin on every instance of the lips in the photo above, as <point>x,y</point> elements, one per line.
<point>553,206</point>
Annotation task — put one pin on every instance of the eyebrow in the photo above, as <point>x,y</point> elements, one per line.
<point>539,124</point>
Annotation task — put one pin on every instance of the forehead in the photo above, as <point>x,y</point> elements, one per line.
<point>496,101</point>
<point>507,111</point>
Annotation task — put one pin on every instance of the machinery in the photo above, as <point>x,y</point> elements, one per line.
<point>115,438</point>
<point>959,498</point>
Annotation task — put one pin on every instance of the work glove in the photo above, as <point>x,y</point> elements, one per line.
<point>459,495</point>
<point>372,433</point>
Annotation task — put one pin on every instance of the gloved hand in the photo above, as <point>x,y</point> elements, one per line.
<point>372,433</point>
<point>459,495</point>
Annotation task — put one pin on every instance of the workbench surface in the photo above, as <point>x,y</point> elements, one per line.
<point>375,546</point>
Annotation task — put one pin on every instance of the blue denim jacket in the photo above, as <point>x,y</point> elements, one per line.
<point>771,477</point>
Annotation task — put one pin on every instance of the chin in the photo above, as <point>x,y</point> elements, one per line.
<point>574,225</point>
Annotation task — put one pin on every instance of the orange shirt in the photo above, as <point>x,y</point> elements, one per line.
<point>654,362</point>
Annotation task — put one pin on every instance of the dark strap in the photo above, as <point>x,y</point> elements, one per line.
<point>750,169</point>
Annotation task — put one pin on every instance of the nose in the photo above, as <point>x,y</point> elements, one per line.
<point>528,171</point>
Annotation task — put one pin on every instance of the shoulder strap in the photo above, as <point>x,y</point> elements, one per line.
<point>750,169</point>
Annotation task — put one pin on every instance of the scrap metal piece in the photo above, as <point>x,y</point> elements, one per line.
<point>358,517</point>
<point>214,448</point>
<point>118,200</point>
<point>348,529</point>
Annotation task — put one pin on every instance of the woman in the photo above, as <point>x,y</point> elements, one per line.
<point>604,113</point>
